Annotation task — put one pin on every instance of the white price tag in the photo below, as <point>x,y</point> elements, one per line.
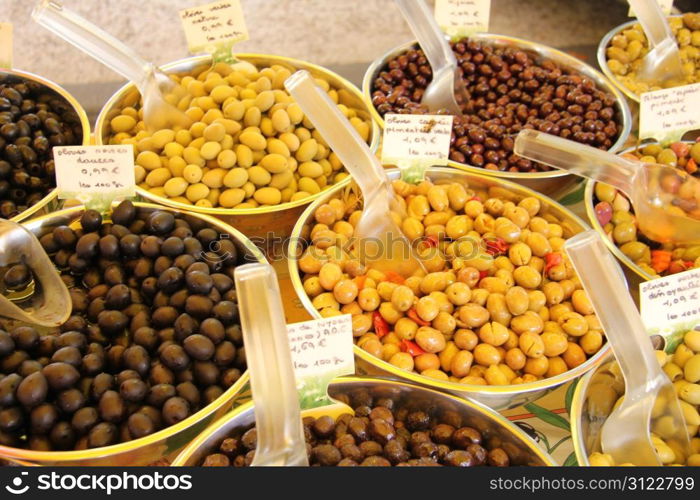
<point>669,113</point>
<point>6,45</point>
<point>666,7</point>
<point>321,349</point>
<point>416,137</point>
<point>671,303</point>
<point>95,175</point>
<point>463,17</point>
<point>209,25</point>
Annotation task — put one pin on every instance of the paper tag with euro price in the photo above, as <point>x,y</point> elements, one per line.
<point>670,305</point>
<point>322,349</point>
<point>416,142</point>
<point>95,175</point>
<point>6,45</point>
<point>666,8</point>
<point>666,115</point>
<point>215,28</point>
<point>460,18</point>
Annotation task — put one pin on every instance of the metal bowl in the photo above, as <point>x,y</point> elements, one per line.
<point>261,222</point>
<point>588,200</point>
<point>603,60</point>
<point>585,427</point>
<point>495,428</point>
<point>497,397</point>
<point>166,443</point>
<point>49,202</point>
<point>552,183</point>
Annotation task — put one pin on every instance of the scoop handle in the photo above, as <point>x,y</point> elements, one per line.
<point>603,280</point>
<point>92,40</point>
<point>277,414</point>
<point>430,37</point>
<point>337,131</point>
<point>653,21</point>
<point>576,158</point>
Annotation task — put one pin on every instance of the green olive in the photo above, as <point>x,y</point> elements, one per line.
<point>667,157</point>
<point>635,250</point>
<point>625,232</point>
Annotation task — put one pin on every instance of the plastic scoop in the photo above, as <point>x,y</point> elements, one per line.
<point>50,302</point>
<point>663,61</point>
<point>666,199</point>
<point>277,416</point>
<point>625,434</point>
<point>446,90</point>
<point>379,242</point>
<point>159,92</point>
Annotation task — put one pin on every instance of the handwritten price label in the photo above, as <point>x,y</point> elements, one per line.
<point>411,139</point>
<point>463,17</point>
<point>321,350</point>
<point>666,7</point>
<point>671,302</point>
<point>95,175</point>
<point>213,24</point>
<point>667,114</point>
<point>5,45</point>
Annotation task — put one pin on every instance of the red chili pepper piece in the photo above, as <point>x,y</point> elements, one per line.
<point>689,263</point>
<point>411,348</point>
<point>413,314</point>
<point>552,259</point>
<point>394,277</point>
<point>483,274</point>
<point>496,246</point>
<point>431,241</point>
<point>474,198</point>
<point>381,327</point>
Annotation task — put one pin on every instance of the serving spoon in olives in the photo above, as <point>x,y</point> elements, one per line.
<point>50,303</point>
<point>159,92</point>
<point>378,240</point>
<point>666,199</point>
<point>446,89</point>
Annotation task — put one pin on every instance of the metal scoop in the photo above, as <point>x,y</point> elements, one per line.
<point>50,303</point>
<point>379,241</point>
<point>662,64</point>
<point>277,415</point>
<point>625,434</point>
<point>446,90</point>
<point>160,93</point>
<point>666,199</point>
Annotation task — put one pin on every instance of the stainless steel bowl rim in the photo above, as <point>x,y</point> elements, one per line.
<point>84,123</point>
<point>163,434</point>
<point>192,62</point>
<point>542,50</point>
<point>184,455</point>
<point>499,390</point>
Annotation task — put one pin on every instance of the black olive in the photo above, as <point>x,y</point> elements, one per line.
<point>42,418</point>
<point>198,306</point>
<point>174,357</point>
<point>8,388</point>
<point>65,237</point>
<point>62,436</point>
<point>146,337</point>
<point>114,275</point>
<point>93,363</point>
<point>129,245</point>
<point>140,425</point>
<point>179,298</point>
<point>161,222</point>
<point>71,339</point>
<point>189,392</point>
<point>25,337</point>
<point>68,354</point>
<point>150,246</point>
<point>222,282</point>
<point>86,248</point>
<point>112,407</point>
<point>77,264</point>
<point>161,264</point>
<point>28,367</point>
<point>7,345</point>
<point>103,434</point>
<point>199,282</point>
<point>199,347</point>
<point>185,325</point>
<point>172,247</point>
<point>175,409</point>
<point>11,419</point>
<point>118,297</point>
<point>226,312</point>
<point>136,358</point>
<point>17,277</point>
<point>193,247</point>
<point>124,213</point>
<point>79,300</point>
<point>171,280</point>
<point>164,316</point>
<point>61,376</point>
<point>70,400</point>
<point>133,390</point>
<point>212,328</point>
<point>91,220</point>
<point>159,394</point>
<point>32,390</point>
<point>225,353</point>
<point>112,322</point>
<point>85,419</point>
<point>12,362</point>
<point>109,247</point>
<point>102,383</point>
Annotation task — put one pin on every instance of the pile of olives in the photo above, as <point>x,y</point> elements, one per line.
<point>153,336</point>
